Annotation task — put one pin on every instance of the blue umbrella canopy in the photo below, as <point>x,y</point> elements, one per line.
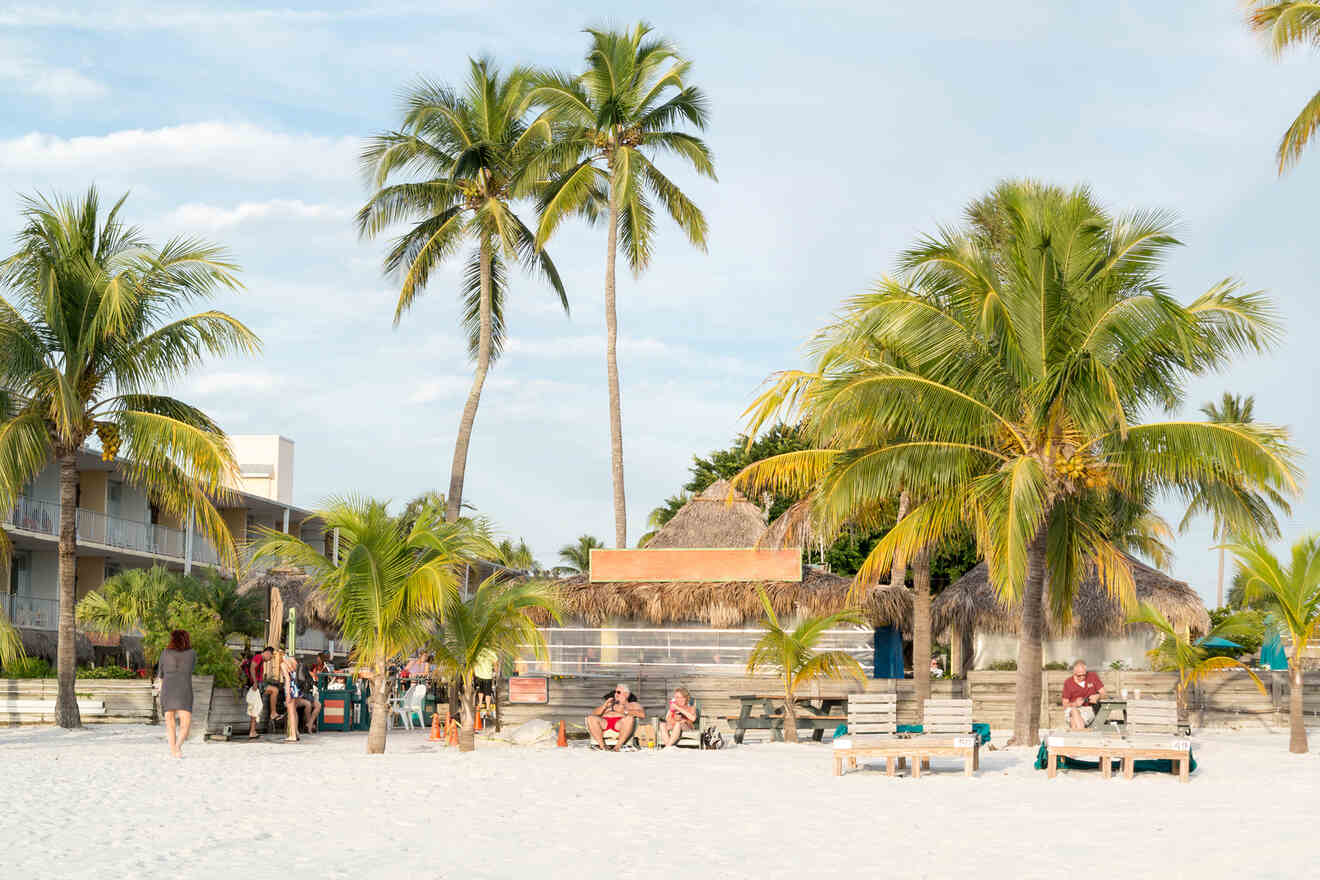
<point>1217,642</point>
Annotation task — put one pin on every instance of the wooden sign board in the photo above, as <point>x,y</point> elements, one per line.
<point>696,565</point>
<point>529,689</point>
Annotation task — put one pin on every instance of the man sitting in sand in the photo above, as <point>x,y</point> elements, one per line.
<point>619,713</point>
<point>1081,695</point>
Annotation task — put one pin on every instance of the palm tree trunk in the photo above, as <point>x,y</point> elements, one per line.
<point>66,700</point>
<point>380,711</point>
<point>921,626</point>
<point>1296,723</point>
<point>612,372</point>
<point>1026,709</point>
<point>1219,594</point>
<point>467,736</point>
<point>458,469</point>
<point>898,572</point>
<point>790,715</point>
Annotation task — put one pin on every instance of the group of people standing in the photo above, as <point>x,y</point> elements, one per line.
<point>291,682</point>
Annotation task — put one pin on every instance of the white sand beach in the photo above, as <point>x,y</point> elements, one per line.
<point>108,802</point>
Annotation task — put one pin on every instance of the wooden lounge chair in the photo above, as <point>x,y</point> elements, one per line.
<point>872,720</point>
<point>1151,734</point>
<point>688,739</point>
<point>947,726</point>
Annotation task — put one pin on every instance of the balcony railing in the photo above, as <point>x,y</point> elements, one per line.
<point>32,515</point>
<point>31,612</point>
<point>43,517</point>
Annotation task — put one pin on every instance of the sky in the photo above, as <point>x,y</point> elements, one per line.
<point>841,133</point>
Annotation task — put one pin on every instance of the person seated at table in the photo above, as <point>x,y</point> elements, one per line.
<point>270,683</point>
<point>312,694</point>
<point>419,666</point>
<point>1082,692</point>
<point>295,699</point>
<point>619,713</point>
<point>936,671</point>
<point>682,715</point>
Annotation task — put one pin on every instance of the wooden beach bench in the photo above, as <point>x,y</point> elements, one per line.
<point>688,739</point>
<point>1152,733</point>
<point>946,732</point>
<point>22,708</point>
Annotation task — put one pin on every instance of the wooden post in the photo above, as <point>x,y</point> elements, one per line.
<point>955,652</point>
<point>290,713</point>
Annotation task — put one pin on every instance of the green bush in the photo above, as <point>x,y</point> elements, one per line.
<point>1055,666</point>
<point>1003,666</point>
<point>28,667</point>
<point>203,626</point>
<point>105,672</point>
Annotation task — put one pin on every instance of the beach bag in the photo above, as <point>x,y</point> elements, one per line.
<point>253,700</point>
<point>711,739</point>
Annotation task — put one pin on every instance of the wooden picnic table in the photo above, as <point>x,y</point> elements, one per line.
<point>820,715</point>
<point>1107,708</point>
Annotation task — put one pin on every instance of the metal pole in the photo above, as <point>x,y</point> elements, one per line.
<point>188,543</point>
<point>290,713</point>
<point>286,520</point>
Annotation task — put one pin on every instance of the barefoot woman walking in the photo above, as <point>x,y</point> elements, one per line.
<point>176,696</point>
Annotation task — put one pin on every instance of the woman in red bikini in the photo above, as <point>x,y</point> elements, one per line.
<point>619,713</point>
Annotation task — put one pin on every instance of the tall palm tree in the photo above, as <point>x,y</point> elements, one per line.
<point>577,557</point>
<point>241,614</point>
<point>517,556</point>
<point>1023,351</point>
<point>464,159</point>
<point>389,587</point>
<point>1292,593</point>
<point>495,621</point>
<point>1250,513</point>
<point>793,656</point>
<point>1194,663</point>
<point>611,122</point>
<point>90,332</point>
<point>1287,23</point>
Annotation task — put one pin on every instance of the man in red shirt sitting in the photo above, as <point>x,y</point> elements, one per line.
<point>1081,695</point>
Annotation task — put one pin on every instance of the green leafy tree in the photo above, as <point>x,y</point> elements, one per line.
<point>240,614</point>
<point>1001,376</point>
<point>389,587</point>
<point>93,325</point>
<point>611,123</point>
<point>1292,593</point>
<point>1284,24</point>
<point>496,620</point>
<point>1233,509</point>
<point>1194,662</point>
<point>792,655</point>
<point>458,164</point>
<point>577,557</point>
<point>518,556</point>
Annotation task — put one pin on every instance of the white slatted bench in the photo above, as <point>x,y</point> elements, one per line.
<point>872,720</point>
<point>1151,734</point>
<point>47,707</point>
<point>946,726</point>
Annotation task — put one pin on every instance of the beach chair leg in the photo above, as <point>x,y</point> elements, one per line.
<point>1106,767</point>
<point>902,763</point>
<point>976,757</point>
<point>1184,769</point>
<point>1051,764</point>
<point>967,764</point>
<point>838,765</point>
<point>925,763</point>
<point>890,765</point>
<point>1129,767</point>
<point>852,762</point>
<point>916,767</point>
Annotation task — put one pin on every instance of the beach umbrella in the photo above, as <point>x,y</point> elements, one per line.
<point>1217,642</point>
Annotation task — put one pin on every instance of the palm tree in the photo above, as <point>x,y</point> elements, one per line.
<point>1193,662</point>
<point>466,157</point>
<point>517,556</point>
<point>389,587</point>
<point>1292,593</point>
<point>241,614</point>
<point>135,598</point>
<point>1019,354</point>
<point>91,331</point>
<point>494,621</point>
<point>1287,23</point>
<point>577,557</point>
<point>611,121</point>
<point>1234,509</point>
<point>793,656</point>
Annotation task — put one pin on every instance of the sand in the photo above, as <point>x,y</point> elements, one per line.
<point>109,802</point>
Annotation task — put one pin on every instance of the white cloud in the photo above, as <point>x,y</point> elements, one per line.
<point>34,77</point>
<point>238,150</point>
<point>228,381</point>
<point>130,17</point>
<point>196,214</point>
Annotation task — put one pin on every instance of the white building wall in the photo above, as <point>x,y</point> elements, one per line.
<point>1098,653</point>
<point>45,574</point>
<point>265,463</point>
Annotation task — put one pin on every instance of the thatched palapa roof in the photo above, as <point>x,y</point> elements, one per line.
<point>712,520</point>
<point>970,603</point>
<point>314,611</point>
<point>728,604</point>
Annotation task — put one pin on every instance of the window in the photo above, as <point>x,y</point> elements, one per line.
<point>114,497</point>
<point>20,573</point>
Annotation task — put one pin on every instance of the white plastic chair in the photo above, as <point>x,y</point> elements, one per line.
<point>411,705</point>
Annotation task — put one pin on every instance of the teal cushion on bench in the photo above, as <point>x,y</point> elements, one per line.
<point>982,731</point>
<point>1153,765</point>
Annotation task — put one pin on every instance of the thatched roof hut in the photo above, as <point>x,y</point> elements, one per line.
<point>728,604</point>
<point>710,519</point>
<point>970,604</point>
<point>792,528</point>
<point>314,611</point>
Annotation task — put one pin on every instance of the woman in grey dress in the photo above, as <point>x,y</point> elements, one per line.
<point>176,696</point>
